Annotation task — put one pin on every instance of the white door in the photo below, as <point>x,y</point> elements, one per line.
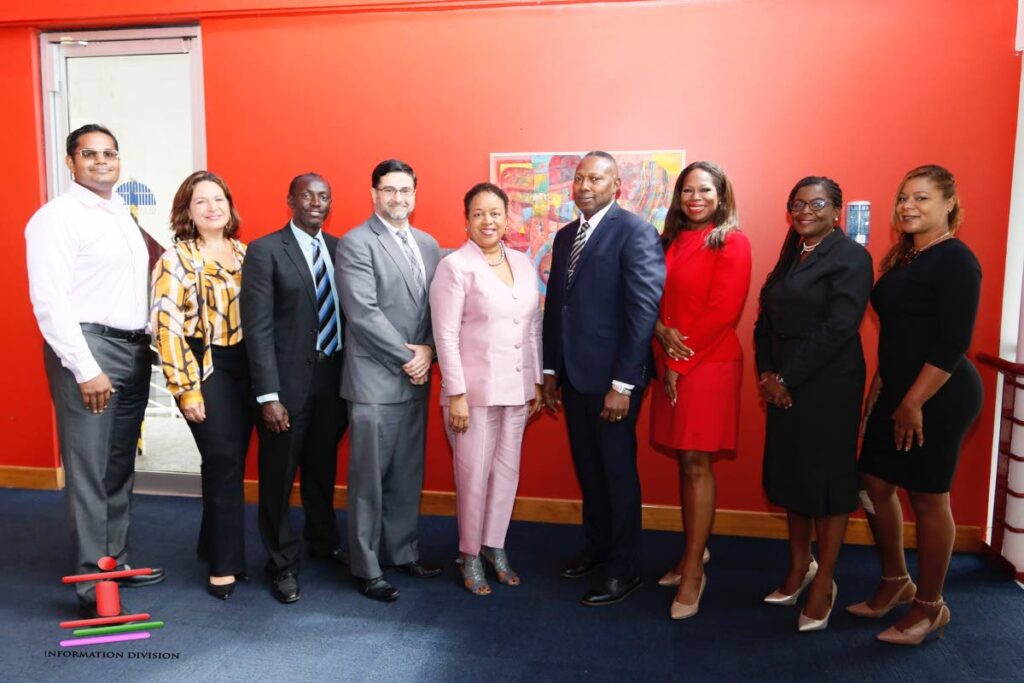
<point>146,86</point>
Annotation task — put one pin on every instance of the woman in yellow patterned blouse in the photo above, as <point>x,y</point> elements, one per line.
<point>195,319</point>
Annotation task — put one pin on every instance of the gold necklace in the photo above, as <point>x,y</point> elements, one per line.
<point>913,253</point>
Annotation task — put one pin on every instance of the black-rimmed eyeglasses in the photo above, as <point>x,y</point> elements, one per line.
<point>798,205</point>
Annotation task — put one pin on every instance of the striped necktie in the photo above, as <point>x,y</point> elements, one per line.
<point>327,337</point>
<point>411,258</point>
<point>577,249</point>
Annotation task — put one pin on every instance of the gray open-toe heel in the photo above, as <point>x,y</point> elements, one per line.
<point>498,560</point>
<point>473,577</point>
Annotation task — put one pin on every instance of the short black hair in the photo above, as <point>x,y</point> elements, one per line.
<point>603,155</point>
<point>480,188</point>
<point>311,175</point>
<point>392,166</point>
<point>72,142</point>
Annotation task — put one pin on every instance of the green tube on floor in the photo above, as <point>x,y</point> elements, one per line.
<point>105,630</point>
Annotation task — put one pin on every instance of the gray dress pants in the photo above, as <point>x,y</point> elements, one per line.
<point>98,451</point>
<point>385,479</point>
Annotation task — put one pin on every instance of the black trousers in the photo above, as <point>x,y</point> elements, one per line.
<point>310,446</point>
<point>604,455</point>
<point>223,440</point>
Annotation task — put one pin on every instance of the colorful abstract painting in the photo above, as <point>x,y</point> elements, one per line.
<point>539,188</point>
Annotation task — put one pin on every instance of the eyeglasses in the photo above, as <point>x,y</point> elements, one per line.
<point>404,193</point>
<point>798,205</point>
<point>108,154</point>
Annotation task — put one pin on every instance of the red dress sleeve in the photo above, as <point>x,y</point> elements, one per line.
<point>730,281</point>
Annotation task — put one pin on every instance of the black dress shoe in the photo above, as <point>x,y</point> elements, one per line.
<point>420,571</point>
<point>611,592</point>
<point>142,580</point>
<point>580,566</point>
<point>222,591</point>
<point>285,587</point>
<point>379,589</point>
<point>337,555</point>
<point>87,610</point>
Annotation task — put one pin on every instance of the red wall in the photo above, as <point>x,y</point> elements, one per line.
<point>26,418</point>
<point>860,91</point>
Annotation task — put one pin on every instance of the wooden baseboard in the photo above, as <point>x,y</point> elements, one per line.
<point>45,478</point>
<point>657,517</point>
<point>555,511</point>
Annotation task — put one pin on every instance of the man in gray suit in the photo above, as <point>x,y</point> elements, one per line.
<point>383,269</point>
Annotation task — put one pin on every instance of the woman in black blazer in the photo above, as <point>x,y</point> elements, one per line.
<point>811,367</point>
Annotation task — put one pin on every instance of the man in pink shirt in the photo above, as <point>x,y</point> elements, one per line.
<point>88,270</point>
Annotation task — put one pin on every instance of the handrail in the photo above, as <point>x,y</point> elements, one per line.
<point>1000,364</point>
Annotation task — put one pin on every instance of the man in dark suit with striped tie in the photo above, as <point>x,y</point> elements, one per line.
<point>607,275</point>
<point>293,329</point>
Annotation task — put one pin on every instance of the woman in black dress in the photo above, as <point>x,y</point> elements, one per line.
<point>923,399</point>
<point>811,365</point>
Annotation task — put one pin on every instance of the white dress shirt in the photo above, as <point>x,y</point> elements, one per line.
<point>594,221</point>
<point>412,244</point>
<point>87,263</point>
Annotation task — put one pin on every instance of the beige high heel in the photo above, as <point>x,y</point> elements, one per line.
<point>916,634</point>
<point>777,597</point>
<point>904,596</point>
<point>805,623</point>
<point>670,578</point>
<point>681,611</point>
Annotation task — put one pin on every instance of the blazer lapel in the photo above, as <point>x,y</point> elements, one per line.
<point>427,253</point>
<point>298,259</point>
<point>819,252</point>
<point>388,243</point>
<point>597,237</point>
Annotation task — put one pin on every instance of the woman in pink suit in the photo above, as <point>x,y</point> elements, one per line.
<point>485,308</point>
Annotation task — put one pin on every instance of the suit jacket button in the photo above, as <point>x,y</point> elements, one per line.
<point>309,361</point>
<point>514,295</point>
<point>564,309</point>
<point>515,320</point>
<point>518,369</point>
<point>518,345</point>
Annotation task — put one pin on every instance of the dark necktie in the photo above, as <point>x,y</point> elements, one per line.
<point>328,334</point>
<point>577,249</point>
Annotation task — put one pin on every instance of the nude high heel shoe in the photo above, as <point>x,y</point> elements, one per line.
<point>681,611</point>
<point>916,634</point>
<point>670,578</point>
<point>777,597</point>
<point>903,597</point>
<point>805,623</point>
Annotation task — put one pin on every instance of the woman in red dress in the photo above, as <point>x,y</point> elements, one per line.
<point>695,405</point>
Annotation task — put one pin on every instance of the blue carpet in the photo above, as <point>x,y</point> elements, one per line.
<point>439,632</point>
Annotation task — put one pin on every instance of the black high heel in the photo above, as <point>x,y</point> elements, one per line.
<point>223,592</point>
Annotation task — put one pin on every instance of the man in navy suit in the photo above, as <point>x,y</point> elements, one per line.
<point>607,275</point>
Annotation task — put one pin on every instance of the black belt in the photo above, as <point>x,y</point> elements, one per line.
<point>130,336</point>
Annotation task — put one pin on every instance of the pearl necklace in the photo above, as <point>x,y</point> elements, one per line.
<point>501,257</point>
<point>808,248</point>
